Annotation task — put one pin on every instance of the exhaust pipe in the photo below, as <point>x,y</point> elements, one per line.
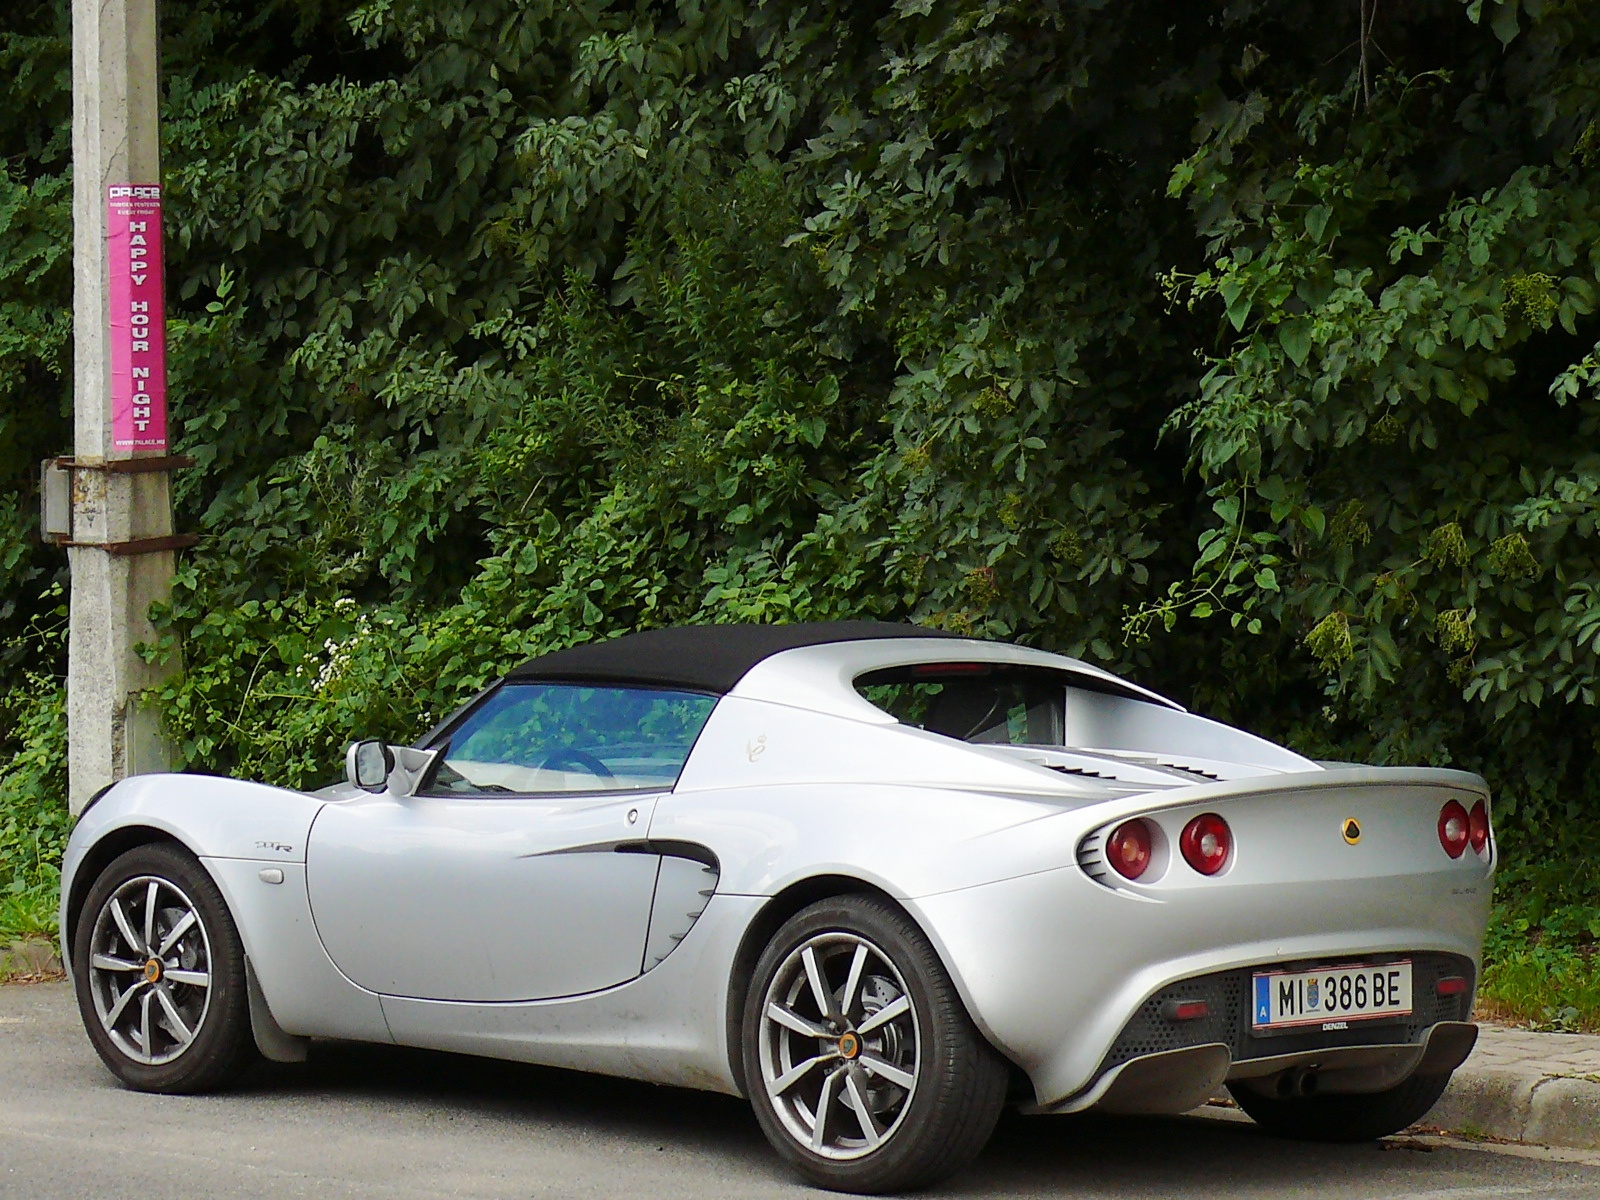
<point>1297,1083</point>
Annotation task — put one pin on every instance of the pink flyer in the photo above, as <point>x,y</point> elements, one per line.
<point>138,318</point>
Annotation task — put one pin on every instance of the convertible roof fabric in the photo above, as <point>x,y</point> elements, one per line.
<point>704,658</point>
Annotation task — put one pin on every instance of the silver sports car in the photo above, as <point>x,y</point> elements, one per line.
<point>878,880</point>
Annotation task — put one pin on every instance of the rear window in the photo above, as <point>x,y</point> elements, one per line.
<point>974,702</point>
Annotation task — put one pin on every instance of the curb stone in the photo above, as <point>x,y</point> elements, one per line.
<point>28,958</point>
<point>1566,1112</point>
<point>1542,1088</point>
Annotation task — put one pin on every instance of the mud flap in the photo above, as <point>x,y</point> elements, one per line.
<point>271,1039</point>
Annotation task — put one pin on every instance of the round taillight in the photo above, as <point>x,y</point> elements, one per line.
<point>1455,828</point>
<point>1478,827</point>
<point>1129,849</point>
<point>1206,843</point>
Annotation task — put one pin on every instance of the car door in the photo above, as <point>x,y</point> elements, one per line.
<point>519,870</point>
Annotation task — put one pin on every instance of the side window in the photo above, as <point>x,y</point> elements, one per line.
<point>553,737</point>
<point>975,702</point>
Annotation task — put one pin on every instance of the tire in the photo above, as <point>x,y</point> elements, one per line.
<point>1345,1117</point>
<point>137,1004</point>
<point>931,1086</point>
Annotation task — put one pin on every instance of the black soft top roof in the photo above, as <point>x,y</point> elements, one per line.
<point>702,658</point>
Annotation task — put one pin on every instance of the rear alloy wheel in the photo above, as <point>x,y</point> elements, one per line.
<point>863,1067</point>
<point>1343,1117</point>
<point>159,972</point>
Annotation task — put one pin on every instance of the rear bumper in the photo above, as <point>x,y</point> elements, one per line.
<point>1160,1064</point>
<point>1174,1081</point>
<point>1226,995</point>
<point>1055,967</point>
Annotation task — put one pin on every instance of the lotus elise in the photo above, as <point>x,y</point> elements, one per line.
<point>878,880</point>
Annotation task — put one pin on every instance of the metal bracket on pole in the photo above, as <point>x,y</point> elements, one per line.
<point>126,466</point>
<point>149,545</point>
<point>56,485</point>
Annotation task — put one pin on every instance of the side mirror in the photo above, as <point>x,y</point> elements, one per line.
<point>368,764</point>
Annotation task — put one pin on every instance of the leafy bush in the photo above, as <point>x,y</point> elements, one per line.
<point>33,813</point>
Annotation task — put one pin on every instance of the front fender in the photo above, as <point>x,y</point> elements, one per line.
<point>212,816</point>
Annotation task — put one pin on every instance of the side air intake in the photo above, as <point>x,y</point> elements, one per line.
<point>684,886</point>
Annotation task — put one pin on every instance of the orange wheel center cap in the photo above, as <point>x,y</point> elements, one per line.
<point>152,970</point>
<point>849,1046</point>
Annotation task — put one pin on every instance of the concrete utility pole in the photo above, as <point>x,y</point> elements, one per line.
<point>120,539</point>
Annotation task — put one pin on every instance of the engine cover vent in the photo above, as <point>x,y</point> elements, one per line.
<point>1084,771</point>
<point>1187,768</point>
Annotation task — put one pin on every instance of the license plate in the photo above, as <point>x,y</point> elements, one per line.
<point>1331,997</point>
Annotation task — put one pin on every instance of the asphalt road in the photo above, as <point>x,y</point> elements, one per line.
<point>374,1122</point>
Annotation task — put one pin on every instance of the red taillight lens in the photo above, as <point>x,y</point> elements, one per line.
<point>1455,828</point>
<point>1129,849</point>
<point>1478,827</point>
<point>1206,843</point>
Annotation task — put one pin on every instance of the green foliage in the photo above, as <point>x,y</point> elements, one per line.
<point>1554,991</point>
<point>35,284</point>
<point>1542,962</point>
<point>503,325</point>
<point>33,813</point>
<point>1406,334</point>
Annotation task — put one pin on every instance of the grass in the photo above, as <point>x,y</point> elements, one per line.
<point>1542,953</point>
<point>1547,987</point>
<point>29,914</point>
<point>26,916</point>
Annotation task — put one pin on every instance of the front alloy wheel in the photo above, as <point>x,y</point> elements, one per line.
<point>863,1067</point>
<point>159,972</point>
<point>150,970</point>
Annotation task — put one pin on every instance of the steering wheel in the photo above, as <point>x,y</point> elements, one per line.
<point>578,758</point>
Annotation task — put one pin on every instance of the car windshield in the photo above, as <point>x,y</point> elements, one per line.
<point>551,737</point>
<point>974,702</point>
